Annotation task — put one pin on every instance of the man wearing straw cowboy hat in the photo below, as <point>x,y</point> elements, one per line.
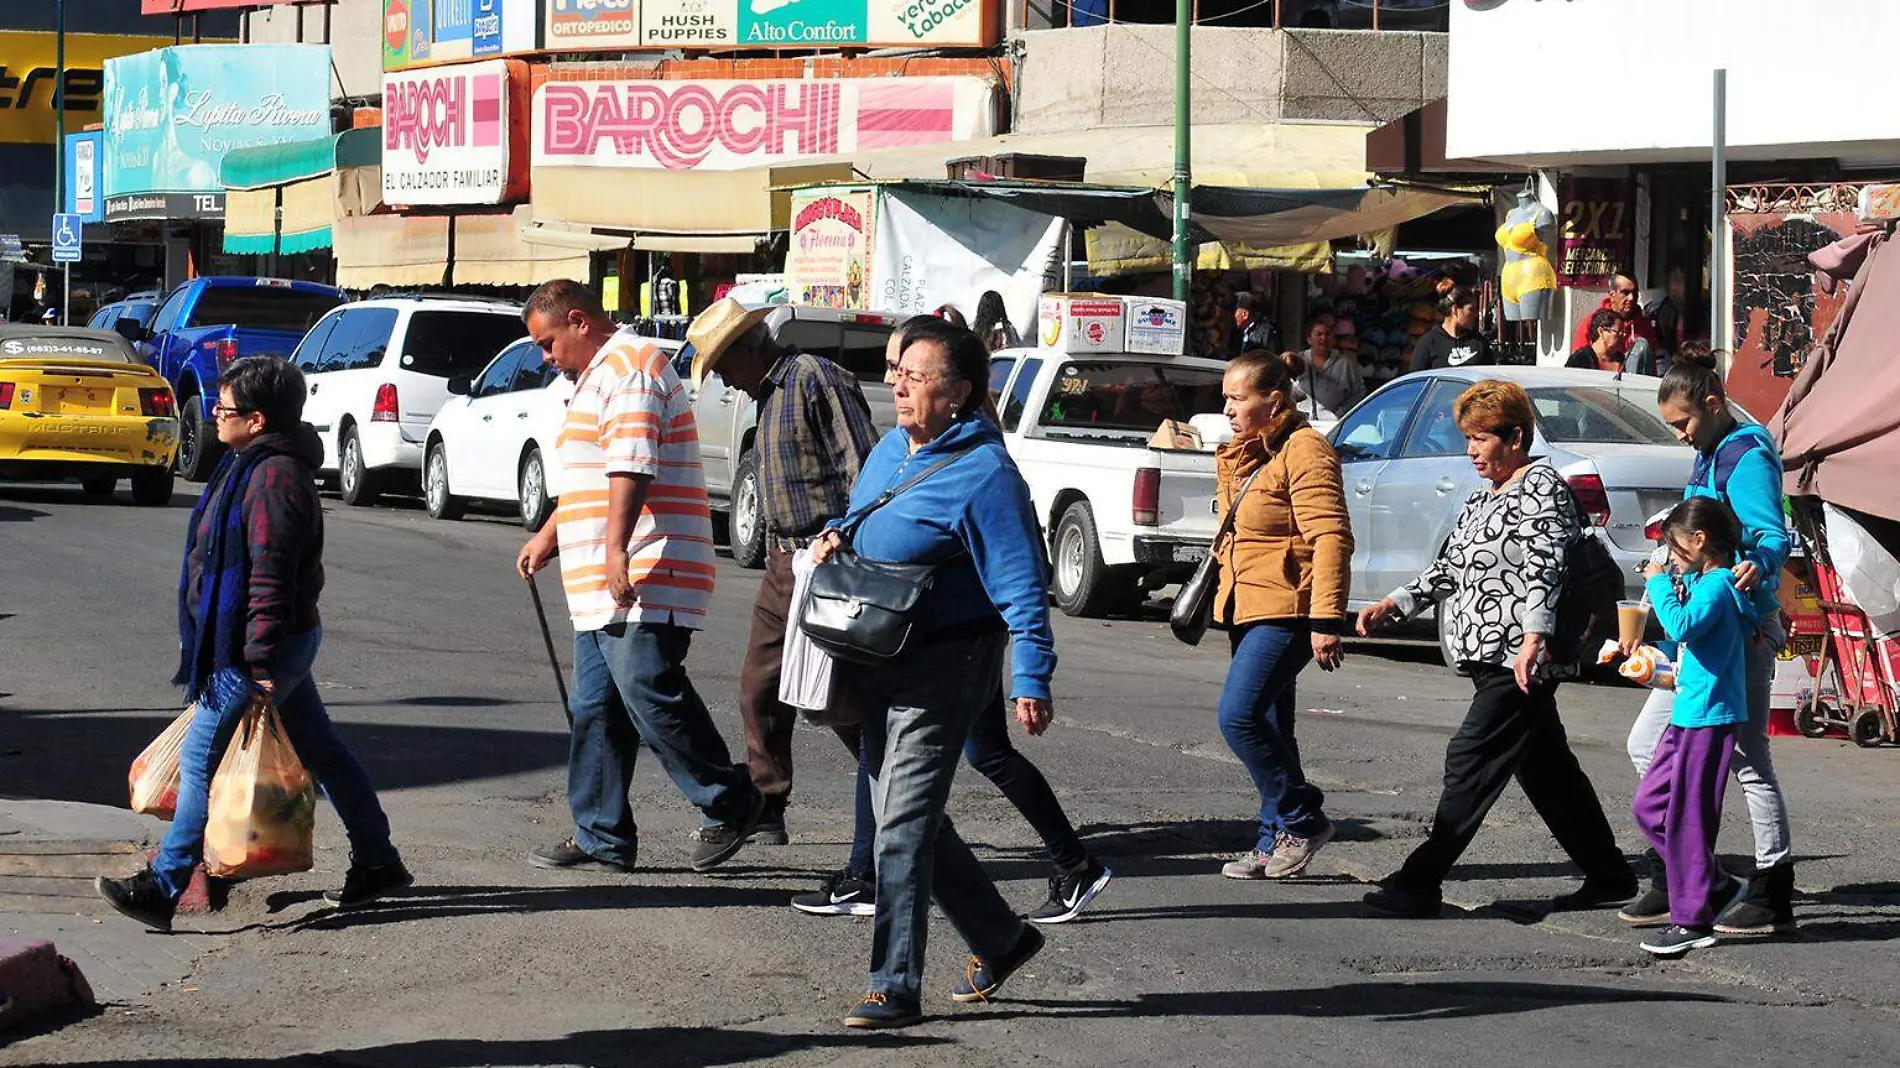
<point>814,430</point>
<point>635,540</point>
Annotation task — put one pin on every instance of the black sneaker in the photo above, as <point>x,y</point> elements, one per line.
<point>982,979</point>
<point>1767,908</point>
<point>770,832</point>
<point>570,856</point>
<point>1675,940</point>
<point>363,884</point>
<point>1396,901</point>
<point>1597,892</point>
<point>843,894</point>
<point>1071,892</point>
<point>720,843</point>
<point>139,897</point>
<point>881,1012</point>
<point>1651,909</point>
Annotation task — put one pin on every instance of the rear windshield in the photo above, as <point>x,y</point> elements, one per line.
<point>450,343</point>
<point>261,308</point>
<point>856,346</point>
<point>1600,415</point>
<point>1129,396</point>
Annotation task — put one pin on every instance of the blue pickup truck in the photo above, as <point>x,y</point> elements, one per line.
<point>204,325</point>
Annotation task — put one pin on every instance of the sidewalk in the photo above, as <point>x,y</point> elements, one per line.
<point>50,851</point>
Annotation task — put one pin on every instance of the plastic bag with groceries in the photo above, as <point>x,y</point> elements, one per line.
<point>1647,666</point>
<point>154,777</point>
<point>263,810</point>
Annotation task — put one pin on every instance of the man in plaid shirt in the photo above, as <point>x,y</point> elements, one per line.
<point>813,434</point>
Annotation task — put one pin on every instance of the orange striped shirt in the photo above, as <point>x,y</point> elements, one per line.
<point>630,415</point>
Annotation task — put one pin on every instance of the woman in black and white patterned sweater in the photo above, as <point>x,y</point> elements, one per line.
<point>1500,576</point>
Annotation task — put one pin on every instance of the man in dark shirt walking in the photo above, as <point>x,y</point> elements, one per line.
<point>814,432</point>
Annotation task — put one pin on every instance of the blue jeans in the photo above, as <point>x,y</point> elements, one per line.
<point>919,713</point>
<point>308,728</point>
<point>630,685</point>
<point>1256,718</point>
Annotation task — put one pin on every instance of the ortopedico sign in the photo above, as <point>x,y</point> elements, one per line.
<point>452,135</point>
<point>730,125</point>
<point>171,114</point>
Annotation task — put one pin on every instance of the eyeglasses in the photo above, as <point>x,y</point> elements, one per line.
<point>225,411</point>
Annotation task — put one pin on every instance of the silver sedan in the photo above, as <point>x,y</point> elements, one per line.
<point>1406,474</point>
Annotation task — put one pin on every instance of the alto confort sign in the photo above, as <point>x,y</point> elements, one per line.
<point>455,134</point>
<point>729,125</point>
<point>418,32</point>
<point>583,25</point>
<point>172,114</point>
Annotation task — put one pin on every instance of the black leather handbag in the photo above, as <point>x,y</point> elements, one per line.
<point>863,611</point>
<point>1193,610</point>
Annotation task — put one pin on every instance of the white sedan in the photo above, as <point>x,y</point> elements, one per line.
<point>494,438</point>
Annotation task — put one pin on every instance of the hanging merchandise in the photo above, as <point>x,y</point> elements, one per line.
<point>1208,298</point>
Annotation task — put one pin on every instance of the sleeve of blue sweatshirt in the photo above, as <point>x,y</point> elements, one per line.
<point>1754,492</point>
<point>1006,548</point>
<point>1686,621</point>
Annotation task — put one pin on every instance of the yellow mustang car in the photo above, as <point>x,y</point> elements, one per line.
<point>78,403</point>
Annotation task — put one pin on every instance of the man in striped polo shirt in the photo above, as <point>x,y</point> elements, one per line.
<point>635,540</point>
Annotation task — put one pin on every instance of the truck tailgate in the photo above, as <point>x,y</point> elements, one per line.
<point>1189,510</point>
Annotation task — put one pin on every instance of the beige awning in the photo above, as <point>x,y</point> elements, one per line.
<point>490,250</point>
<point>674,203</point>
<point>250,220</point>
<point>391,250</point>
<point>1115,249</point>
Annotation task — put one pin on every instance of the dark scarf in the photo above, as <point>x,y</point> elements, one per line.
<point>214,641</point>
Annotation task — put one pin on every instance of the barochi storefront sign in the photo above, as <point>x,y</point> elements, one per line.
<point>731,125</point>
<point>455,134</point>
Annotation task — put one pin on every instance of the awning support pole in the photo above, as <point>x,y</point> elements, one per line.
<point>1718,218</point>
<point>1183,160</point>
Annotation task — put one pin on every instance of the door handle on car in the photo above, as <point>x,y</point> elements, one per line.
<point>1447,484</point>
<point>1363,487</point>
<point>726,397</point>
<point>313,388</point>
<point>488,418</point>
<point>521,415</point>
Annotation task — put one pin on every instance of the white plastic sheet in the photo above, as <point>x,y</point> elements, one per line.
<point>1867,569</point>
<point>804,679</point>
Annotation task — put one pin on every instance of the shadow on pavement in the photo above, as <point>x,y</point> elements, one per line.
<point>642,1047</point>
<point>1379,1002</point>
<point>79,756</point>
<point>9,514</point>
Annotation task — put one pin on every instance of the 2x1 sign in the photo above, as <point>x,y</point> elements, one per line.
<point>731,125</point>
<point>453,135</point>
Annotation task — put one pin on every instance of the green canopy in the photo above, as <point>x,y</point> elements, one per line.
<point>262,166</point>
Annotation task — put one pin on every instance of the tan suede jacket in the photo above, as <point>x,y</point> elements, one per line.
<point>1290,554</point>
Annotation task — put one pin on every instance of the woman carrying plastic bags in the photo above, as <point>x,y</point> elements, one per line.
<point>248,628</point>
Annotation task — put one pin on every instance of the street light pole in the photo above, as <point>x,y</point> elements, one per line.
<point>59,143</point>
<point>1183,159</point>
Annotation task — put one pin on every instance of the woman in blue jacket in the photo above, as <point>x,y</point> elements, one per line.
<point>973,518</point>
<point>1736,463</point>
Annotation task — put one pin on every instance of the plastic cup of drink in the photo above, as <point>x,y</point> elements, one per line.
<point>1632,617</point>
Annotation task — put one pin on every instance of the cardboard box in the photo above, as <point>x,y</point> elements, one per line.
<point>1081,322</point>
<point>1156,327</point>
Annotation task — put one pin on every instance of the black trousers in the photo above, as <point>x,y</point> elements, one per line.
<point>1510,733</point>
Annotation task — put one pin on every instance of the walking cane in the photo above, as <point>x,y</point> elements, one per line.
<point>554,662</point>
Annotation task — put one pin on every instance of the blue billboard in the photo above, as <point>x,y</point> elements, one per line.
<point>171,114</point>
<point>82,186</point>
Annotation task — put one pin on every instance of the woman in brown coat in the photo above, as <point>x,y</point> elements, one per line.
<point>1282,598</point>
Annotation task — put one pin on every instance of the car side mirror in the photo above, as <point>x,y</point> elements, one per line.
<point>130,330</point>
<point>461,386</point>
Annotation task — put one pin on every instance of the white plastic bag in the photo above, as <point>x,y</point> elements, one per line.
<point>1869,572</point>
<point>804,678</point>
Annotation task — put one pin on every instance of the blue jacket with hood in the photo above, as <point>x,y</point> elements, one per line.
<point>974,517</point>
<point>1744,471</point>
<point>1712,624</point>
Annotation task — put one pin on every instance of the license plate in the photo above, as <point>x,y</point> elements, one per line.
<point>79,400</point>
<point>1189,554</point>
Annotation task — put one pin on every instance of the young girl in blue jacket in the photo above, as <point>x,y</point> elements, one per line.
<point>1678,806</point>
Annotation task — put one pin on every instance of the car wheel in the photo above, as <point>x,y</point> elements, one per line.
<point>532,491</point>
<point>435,485</point>
<point>152,486</point>
<point>357,480</point>
<point>198,445</point>
<point>1084,585</point>
<point>748,519</point>
<point>99,489</point>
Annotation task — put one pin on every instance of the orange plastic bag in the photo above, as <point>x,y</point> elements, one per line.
<point>154,777</point>
<point>263,810</point>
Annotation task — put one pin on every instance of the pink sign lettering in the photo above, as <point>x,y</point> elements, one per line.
<point>679,124</point>
<point>425,114</point>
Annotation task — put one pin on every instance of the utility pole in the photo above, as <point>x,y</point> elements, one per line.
<point>1718,216</point>
<point>59,145</point>
<point>1183,159</point>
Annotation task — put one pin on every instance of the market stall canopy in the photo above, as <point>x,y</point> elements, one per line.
<point>1839,429</point>
<point>414,250</point>
<point>309,183</point>
<point>698,211</point>
<point>1263,218</point>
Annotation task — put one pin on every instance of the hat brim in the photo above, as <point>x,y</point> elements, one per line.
<point>708,351</point>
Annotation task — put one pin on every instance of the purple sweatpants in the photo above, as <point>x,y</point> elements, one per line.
<point>1678,807</point>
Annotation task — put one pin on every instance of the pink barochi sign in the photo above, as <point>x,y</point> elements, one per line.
<point>730,125</point>
<point>448,133</point>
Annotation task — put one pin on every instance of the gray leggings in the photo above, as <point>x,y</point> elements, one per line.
<point>1753,765</point>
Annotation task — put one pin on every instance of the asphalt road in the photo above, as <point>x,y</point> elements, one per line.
<point>433,665</point>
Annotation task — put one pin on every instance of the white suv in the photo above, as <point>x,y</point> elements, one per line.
<point>379,369</point>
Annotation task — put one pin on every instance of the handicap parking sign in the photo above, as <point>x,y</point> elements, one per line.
<point>66,245</point>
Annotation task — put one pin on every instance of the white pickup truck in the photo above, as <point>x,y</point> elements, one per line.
<point>1121,518</point>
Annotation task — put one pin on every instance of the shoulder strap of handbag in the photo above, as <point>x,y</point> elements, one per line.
<point>856,519</point>
<point>1233,510</point>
